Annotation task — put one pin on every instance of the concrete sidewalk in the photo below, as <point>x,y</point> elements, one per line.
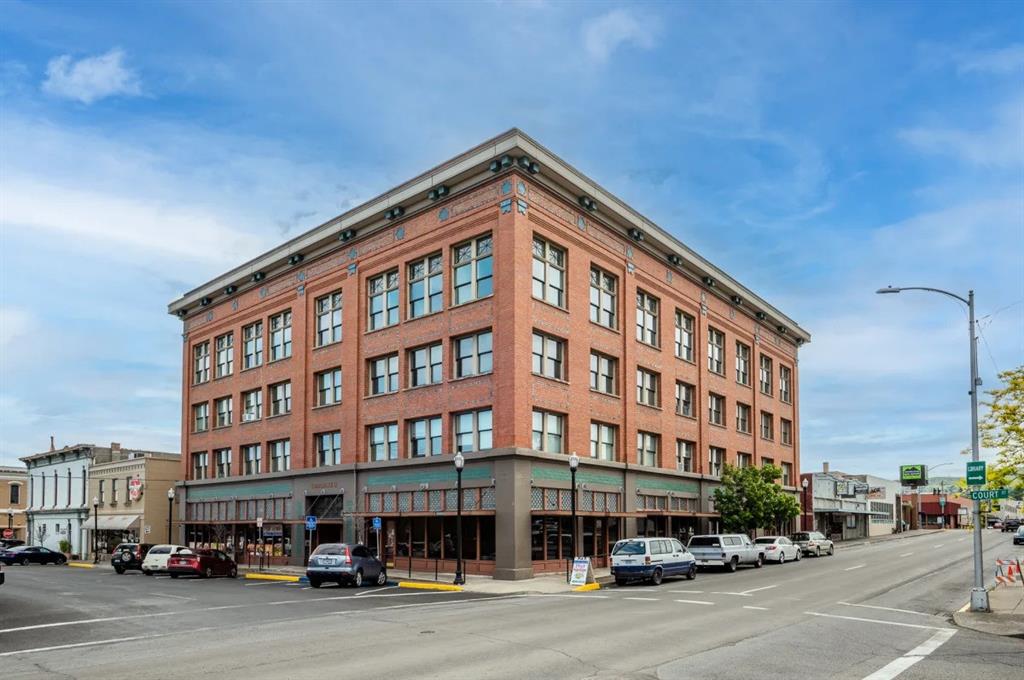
<point>1006,617</point>
<point>890,537</point>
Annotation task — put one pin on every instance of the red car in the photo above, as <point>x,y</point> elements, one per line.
<point>203,563</point>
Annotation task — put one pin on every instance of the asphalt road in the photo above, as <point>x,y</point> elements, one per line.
<point>877,611</point>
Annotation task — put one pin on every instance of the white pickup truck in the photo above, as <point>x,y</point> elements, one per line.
<point>725,550</point>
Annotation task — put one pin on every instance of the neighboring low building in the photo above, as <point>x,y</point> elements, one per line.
<point>13,501</point>
<point>841,504</point>
<point>884,498</point>
<point>938,510</point>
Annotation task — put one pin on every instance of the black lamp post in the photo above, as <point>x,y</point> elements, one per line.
<point>10,520</point>
<point>460,462</point>
<point>170,512</point>
<point>805,484</point>
<point>95,530</point>
<point>574,463</point>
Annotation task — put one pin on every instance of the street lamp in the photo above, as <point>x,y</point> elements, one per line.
<point>574,463</point>
<point>460,463</point>
<point>805,483</point>
<point>95,530</point>
<point>170,511</point>
<point>979,596</point>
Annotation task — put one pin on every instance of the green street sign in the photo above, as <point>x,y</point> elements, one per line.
<point>913,475</point>
<point>988,494</point>
<point>975,472</point>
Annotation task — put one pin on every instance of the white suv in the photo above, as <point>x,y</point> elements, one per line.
<point>156,558</point>
<point>651,559</point>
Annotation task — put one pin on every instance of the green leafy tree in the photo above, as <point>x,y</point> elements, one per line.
<point>1002,429</point>
<point>749,499</point>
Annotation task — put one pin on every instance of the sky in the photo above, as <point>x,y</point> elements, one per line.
<point>816,151</point>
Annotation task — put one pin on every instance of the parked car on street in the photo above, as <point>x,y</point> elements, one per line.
<point>129,556</point>
<point>31,554</point>
<point>651,559</point>
<point>1011,524</point>
<point>204,563</point>
<point>814,543</point>
<point>1,574</point>
<point>725,550</point>
<point>1018,538</point>
<point>156,559</point>
<point>778,549</point>
<point>344,564</point>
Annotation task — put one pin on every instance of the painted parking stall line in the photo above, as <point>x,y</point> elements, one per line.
<point>894,668</point>
<point>857,566</point>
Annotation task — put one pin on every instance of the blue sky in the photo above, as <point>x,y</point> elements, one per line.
<point>817,151</point>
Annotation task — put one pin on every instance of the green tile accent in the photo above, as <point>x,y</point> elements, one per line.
<point>553,474</point>
<point>267,489</point>
<point>446,475</point>
<point>680,485</point>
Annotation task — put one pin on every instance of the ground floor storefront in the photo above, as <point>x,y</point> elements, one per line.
<point>59,529</point>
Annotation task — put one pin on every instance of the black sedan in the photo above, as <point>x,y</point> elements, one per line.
<point>31,554</point>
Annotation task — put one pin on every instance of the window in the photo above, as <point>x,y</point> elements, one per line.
<point>384,375</point>
<point>473,431</point>
<point>765,462</point>
<point>548,431</point>
<point>425,437</point>
<point>100,495</point>
<point>716,458</point>
<point>280,455</point>
<point>222,459</point>
<point>328,387</point>
<point>425,286</point>
<point>225,345</point>
<point>281,336</point>
<point>684,455</point>
<point>328,319</point>
<point>716,409</point>
<point>742,364</point>
<point>787,474</point>
<point>548,356</point>
<point>767,425</point>
<point>113,489</point>
<point>425,365</point>
<point>383,303</point>
<point>647,445</point>
<point>200,463</point>
<point>280,399</point>
<point>684,399</point>
<point>684,336</point>
<point>785,384</point>
<point>252,347</point>
<point>786,431</point>
<point>201,417</point>
<point>251,459</point>
<point>252,406</point>
<point>744,460</point>
<point>384,442</point>
<point>201,363</point>
<point>548,272</point>
<point>742,418</point>
<point>15,494</point>
<point>603,298</point>
<point>223,406</point>
<point>473,275</point>
<point>473,355</point>
<point>646,318</point>
<point>648,386</point>
<point>604,373</point>
<point>328,448</point>
<point>766,375</point>
<point>602,441</point>
<point>716,351</point>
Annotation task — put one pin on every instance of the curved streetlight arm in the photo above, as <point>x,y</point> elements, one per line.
<point>894,289</point>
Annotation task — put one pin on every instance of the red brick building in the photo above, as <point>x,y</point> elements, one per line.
<point>501,304</point>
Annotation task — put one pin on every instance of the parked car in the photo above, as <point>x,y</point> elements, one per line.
<point>814,543</point>
<point>31,554</point>
<point>1,573</point>
<point>156,559</point>
<point>10,543</point>
<point>129,556</point>
<point>344,564</point>
<point>725,550</point>
<point>1011,524</point>
<point>1018,538</point>
<point>996,525</point>
<point>651,559</point>
<point>778,549</point>
<point>204,563</point>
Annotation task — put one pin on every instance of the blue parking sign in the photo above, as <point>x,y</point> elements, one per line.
<point>376,523</point>
<point>310,522</point>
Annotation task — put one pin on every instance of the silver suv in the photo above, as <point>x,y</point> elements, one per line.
<point>344,564</point>
<point>814,543</point>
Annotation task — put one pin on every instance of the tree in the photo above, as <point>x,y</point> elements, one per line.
<point>1002,429</point>
<point>749,499</point>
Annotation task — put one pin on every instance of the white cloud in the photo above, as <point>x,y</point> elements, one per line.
<point>14,323</point>
<point>1006,60</point>
<point>606,33</point>
<point>92,78</point>
<point>1001,144</point>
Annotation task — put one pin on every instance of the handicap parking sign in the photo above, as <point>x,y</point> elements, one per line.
<point>310,522</point>
<point>376,523</point>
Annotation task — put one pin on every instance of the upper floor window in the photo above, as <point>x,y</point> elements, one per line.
<point>252,345</point>
<point>222,459</point>
<point>785,384</point>
<point>787,474</point>
<point>200,467</point>
<point>251,459</point>
<point>684,399</point>
<point>473,269</point>
<point>425,437</point>
<point>648,445</point>
<point>742,363</point>
<point>280,455</point>
<point>716,351</point>
<point>201,362</point>
<point>383,303</point>
<point>473,430</point>
<point>383,441</point>
<point>716,409</point>
<point>281,336</point>
<point>786,431</point>
<point>328,319</point>
<point>548,431</point>
<point>425,365</point>
<point>425,286</point>
<point>548,356</point>
<point>328,387</point>
<point>767,425</point>
<point>224,409</point>
<point>602,441</point>
<point>225,355</point>
<point>473,354</point>
<point>766,375</point>
<point>742,418</point>
<point>646,318</point>
<point>684,336</point>
<point>744,460</point>
<point>548,272</point>
<point>648,387</point>
<point>384,374</point>
<point>684,455</point>
<point>15,494</point>
<point>716,460</point>
<point>280,398</point>
<point>201,417</point>
<point>604,373</point>
<point>603,298</point>
<point>252,406</point>
<point>328,448</point>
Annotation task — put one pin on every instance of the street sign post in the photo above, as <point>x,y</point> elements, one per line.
<point>976,472</point>
<point>376,528</point>
<point>310,522</point>
<point>988,494</point>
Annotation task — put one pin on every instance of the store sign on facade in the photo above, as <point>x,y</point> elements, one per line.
<point>135,489</point>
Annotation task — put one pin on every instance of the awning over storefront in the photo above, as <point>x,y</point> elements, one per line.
<point>114,522</point>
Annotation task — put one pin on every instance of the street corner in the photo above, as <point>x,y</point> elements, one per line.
<point>1006,615</point>
<point>423,585</point>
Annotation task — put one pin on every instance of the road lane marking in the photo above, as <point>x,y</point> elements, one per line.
<point>641,599</point>
<point>696,602</point>
<point>377,590</point>
<point>94,643</point>
<point>887,623</point>
<point>894,668</point>
<point>888,609</point>
<point>176,597</point>
<point>938,546</point>
<point>960,539</point>
<point>717,592</point>
<point>760,609</point>
<point>855,567</point>
<point>754,590</point>
<point>688,592</point>
<point>906,554</point>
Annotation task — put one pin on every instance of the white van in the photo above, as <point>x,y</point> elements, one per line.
<point>651,559</point>
<point>156,558</point>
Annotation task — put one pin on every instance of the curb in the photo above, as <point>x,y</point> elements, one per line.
<point>588,586</point>
<point>82,565</point>
<point>429,586</point>
<point>273,577</point>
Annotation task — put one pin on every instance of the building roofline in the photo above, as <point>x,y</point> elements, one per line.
<point>65,449</point>
<point>469,169</point>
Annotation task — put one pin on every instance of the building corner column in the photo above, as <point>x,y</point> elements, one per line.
<point>513,559</point>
